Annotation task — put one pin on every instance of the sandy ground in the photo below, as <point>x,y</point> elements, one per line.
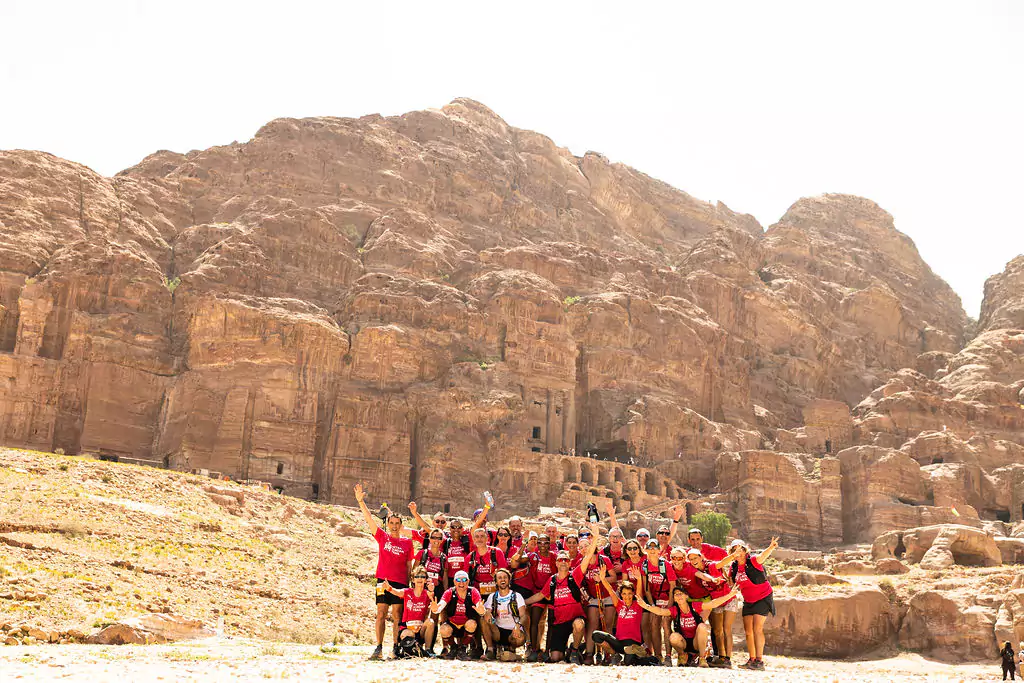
<point>240,660</point>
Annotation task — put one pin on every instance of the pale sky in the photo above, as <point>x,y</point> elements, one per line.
<point>916,105</point>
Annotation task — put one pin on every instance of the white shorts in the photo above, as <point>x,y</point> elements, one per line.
<point>734,605</point>
<point>607,602</point>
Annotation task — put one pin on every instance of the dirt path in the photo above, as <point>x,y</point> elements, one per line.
<point>235,660</point>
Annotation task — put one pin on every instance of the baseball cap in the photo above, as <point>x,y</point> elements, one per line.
<point>461,576</point>
<point>643,532</point>
<point>694,530</point>
<point>737,542</point>
<point>692,551</point>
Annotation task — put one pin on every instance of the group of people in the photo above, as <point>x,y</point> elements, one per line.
<point>485,593</point>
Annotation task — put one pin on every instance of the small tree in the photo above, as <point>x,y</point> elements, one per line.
<point>714,525</point>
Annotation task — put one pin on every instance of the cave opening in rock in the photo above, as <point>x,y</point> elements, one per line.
<point>900,550</point>
<point>968,559</point>
<point>996,514</point>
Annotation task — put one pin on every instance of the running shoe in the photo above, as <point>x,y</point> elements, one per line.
<point>759,664</point>
<point>378,654</point>
<point>668,661</point>
<point>491,655</point>
<point>531,656</point>
<point>615,660</point>
<point>636,650</point>
<point>749,665</point>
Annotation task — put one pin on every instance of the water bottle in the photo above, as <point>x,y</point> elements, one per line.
<point>489,499</point>
<point>384,512</point>
<point>592,513</point>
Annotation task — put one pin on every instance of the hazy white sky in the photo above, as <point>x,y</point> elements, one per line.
<point>917,105</point>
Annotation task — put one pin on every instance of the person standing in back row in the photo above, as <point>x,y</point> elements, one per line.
<point>394,563</point>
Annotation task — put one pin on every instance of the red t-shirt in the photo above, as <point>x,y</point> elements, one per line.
<point>715,590</point>
<point>593,571</point>
<point>660,585</point>
<point>484,574</point>
<point>627,565</point>
<point>460,616</point>
<point>565,605</point>
<point>543,570</point>
<point>712,553</point>
<point>415,608</point>
<point>432,563</point>
<point>691,584</point>
<point>393,556</point>
<point>458,559</point>
<point>666,551</point>
<point>752,592</point>
<point>627,626</point>
<point>687,622</point>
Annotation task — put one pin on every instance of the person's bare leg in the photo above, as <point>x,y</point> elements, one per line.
<point>579,631</point>
<point>730,618</point>
<point>759,635</point>
<point>491,634</point>
<point>428,635</point>
<point>701,640</point>
<point>656,632</point>
<point>645,627</point>
<point>445,631</point>
<point>593,624</point>
<point>396,618</point>
<point>666,632</point>
<point>718,631</point>
<point>748,628</point>
<point>381,623</point>
<point>678,644</point>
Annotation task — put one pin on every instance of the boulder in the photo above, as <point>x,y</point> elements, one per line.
<point>854,568</point>
<point>889,544</point>
<point>941,546</point>
<point>832,626</point>
<point>152,628</point>
<point>1010,549</point>
<point>1010,618</point>
<point>795,577</point>
<point>890,565</point>
<point>937,626</point>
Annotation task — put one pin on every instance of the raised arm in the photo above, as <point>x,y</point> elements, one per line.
<point>610,508</point>
<point>424,527</point>
<point>398,593</point>
<point>718,602</point>
<point>653,609</point>
<point>677,512</point>
<point>727,560</point>
<point>480,520</point>
<point>603,576</point>
<point>767,552</point>
<point>370,520</point>
<point>595,540</point>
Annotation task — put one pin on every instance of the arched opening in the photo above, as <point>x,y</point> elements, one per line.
<point>575,487</point>
<point>595,492</point>
<point>900,550</point>
<point>620,476</point>
<point>968,559</point>
<point>604,476</point>
<point>650,483</point>
<point>569,471</point>
<point>586,473</point>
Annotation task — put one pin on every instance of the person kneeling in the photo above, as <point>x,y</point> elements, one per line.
<point>690,629</point>
<point>457,628</point>
<point>505,612</point>
<point>628,638</point>
<point>415,629</point>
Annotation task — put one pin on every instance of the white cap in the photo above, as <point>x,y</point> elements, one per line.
<point>461,575</point>
<point>532,534</point>
<point>692,551</point>
<point>737,542</point>
<point>643,532</point>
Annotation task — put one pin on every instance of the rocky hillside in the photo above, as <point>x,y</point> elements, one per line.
<point>439,303</point>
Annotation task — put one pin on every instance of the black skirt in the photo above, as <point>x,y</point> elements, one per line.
<point>763,607</point>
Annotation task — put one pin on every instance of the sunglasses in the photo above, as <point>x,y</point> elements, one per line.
<point>643,536</point>
<point>461,580</point>
<point>561,559</point>
<point>504,535</point>
<point>663,533</point>
<point>456,526</point>
<point>437,538</point>
<point>440,522</point>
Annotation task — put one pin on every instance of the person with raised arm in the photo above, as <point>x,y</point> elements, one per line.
<point>667,533</point>
<point>690,630</point>
<point>505,619</point>
<point>484,562</point>
<point>747,572</point>
<point>416,629</point>
<point>708,576</point>
<point>597,602</point>
<point>659,579</point>
<point>628,641</point>
<point>394,562</point>
<point>457,624</point>
<point>565,594</point>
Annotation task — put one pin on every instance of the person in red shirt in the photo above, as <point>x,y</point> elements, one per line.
<point>659,579</point>
<point>416,629</point>
<point>667,533</point>
<point>456,550</point>
<point>394,561</point>
<point>709,576</point>
<point>628,639</point>
<point>686,574</point>
<point>599,606</point>
<point>564,590</point>
<point>521,564</point>
<point>457,623</point>
<point>433,560</point>
<point>515,527</point>
<point>543,569</point>
<point>695,537</point>
<point>747,572</point>
<point>689,626</point>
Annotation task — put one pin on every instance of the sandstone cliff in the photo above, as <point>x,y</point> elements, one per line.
<point>439,303</point>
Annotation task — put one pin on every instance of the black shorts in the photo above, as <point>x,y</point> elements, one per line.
<point>418,635</point>
<point>386,598</point>
<point>558,636</point>
<point>504,634</point>
<point>525,592</point>
<point>763,607</point>
<point>691,646</point>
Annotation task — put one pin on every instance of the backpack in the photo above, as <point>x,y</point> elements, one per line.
<point>449,609</point>
<point>756,576</point>
<point>424,556</point>
<point>574,590</point>
<point>663,570</point>
<point>473,563</point>
<point>512,606</point>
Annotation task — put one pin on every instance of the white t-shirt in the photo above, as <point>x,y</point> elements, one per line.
<point>504,618</point>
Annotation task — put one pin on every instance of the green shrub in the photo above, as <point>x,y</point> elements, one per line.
<point>714,525</point>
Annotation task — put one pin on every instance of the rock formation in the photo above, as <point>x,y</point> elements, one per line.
<point>439,303</point>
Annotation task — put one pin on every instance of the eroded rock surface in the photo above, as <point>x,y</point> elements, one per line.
<point>438,303</point>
